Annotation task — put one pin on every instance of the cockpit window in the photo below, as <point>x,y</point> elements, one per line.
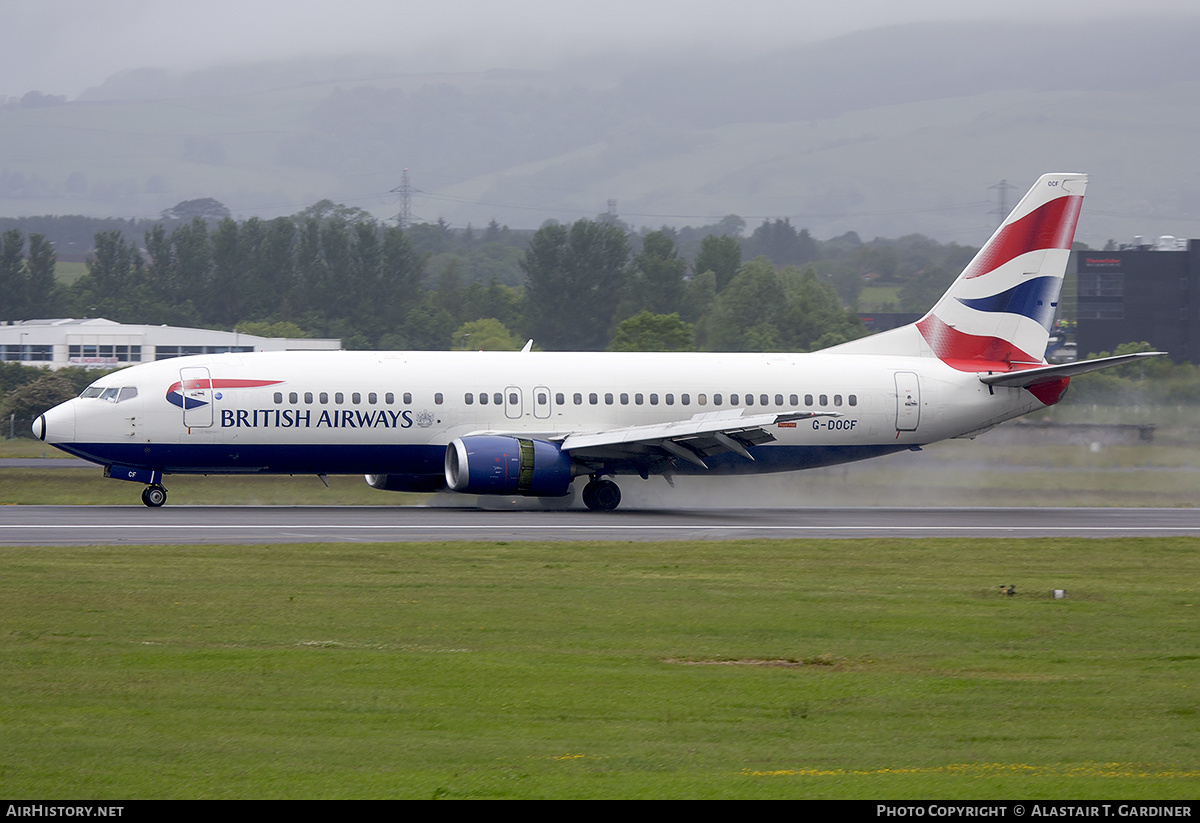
<point>113,394</point>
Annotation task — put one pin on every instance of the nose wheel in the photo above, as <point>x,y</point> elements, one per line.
<point>601,495</point>
<point>154,495</point>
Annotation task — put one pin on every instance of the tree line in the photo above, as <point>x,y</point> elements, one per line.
<point>333,271</point>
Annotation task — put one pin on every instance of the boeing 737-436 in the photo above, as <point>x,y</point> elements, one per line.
<point>530,423</point>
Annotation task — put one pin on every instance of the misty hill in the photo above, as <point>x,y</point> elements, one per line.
<point>884,132</point>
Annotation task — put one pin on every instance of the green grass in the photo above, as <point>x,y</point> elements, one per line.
<point>732,669</point>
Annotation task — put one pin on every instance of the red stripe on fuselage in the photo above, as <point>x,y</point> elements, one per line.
<point>222,384</point>
<point>1050,226</point>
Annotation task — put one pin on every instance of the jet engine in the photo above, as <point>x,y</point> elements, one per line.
<point>501,464</point>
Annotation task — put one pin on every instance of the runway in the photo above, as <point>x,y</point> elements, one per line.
<point>184,525</point>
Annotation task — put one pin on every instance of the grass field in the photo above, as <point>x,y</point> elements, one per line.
<point>853,669</point>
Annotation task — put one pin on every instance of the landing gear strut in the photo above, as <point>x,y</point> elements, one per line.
<point>154,495</point>
<point>601,495</point>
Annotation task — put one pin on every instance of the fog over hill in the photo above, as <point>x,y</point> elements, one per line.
<point>886,132</point>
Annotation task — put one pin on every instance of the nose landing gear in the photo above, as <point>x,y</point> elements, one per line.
<point>154,495</point>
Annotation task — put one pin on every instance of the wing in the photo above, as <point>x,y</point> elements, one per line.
<point>701,436</point>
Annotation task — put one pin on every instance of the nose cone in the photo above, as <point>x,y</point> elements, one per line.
<point>56,425</point>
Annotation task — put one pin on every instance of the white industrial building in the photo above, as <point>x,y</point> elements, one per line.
<point>98,343</point>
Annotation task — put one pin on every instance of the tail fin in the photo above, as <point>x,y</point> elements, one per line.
<point>999,311</point>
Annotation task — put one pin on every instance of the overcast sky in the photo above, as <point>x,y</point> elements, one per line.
<point>65,46</point>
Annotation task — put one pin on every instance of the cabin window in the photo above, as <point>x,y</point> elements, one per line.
<point>749,400</point>
<point>624,399</point>
<point>702,399</point>
<point>437,398</point>
<point>764,400</point>
<point>497,398</point>
<point>293,398</point>
<point>593,398</point>
<point>339,398</point>
<point>324,397</point>
<point>837,400</point>
<point>808,399</point>
<point>793,400</point>
<point>608,399</point>
<point>308,397</point>
<point>716,399</point>
<point>372,398</point>
<point>639,398</point>
<point>407,397</point>
<point>685,399</point>
<point>483,398</point>
<point>733,400</point>
<point>278,397</point>
<point>469,398</point>
<point>824,400</point>
<point>560,398</point>
<point>853,400</point>
<point>578,399</point>
<point>670,399</point>
<point>356,398</point>
<point>653,399</point>
<point>543,398</point>
<point>779,400</point>
<point>389,398</point>
<point>514,399</point>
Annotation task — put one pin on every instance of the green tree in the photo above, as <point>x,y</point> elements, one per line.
<point>720,254</point>
<point>745,314</point>
<point>814,317</point>
<point>659,274</point>
<point>575,280</point>
<point>486,334</point>
<point>13,282</point>
<point>654,332</point>
<point>921,292</point>
<point>40,275</point>
<point>27,401</point>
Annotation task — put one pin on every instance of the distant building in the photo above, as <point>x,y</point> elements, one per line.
<point>99,343</point>
<point>1142,292</point>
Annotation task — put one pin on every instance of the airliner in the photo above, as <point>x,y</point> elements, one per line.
<point>530,423</point>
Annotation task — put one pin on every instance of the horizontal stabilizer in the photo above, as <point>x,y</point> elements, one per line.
<point>1031,377</point>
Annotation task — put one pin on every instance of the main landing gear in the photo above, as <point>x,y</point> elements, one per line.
<point>154,495</point>
<point>601,495</point>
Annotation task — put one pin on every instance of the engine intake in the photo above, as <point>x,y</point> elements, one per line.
<point>500,464</point>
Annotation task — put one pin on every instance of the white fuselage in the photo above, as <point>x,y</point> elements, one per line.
<point>395,412</point>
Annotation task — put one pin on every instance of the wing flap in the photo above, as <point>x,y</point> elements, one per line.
<point>701,436</point>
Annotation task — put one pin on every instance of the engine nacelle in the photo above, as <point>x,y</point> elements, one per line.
<point>500,464</point>
<point>406,482</point>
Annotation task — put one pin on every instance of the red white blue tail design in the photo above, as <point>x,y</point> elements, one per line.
<point>999,312</point>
